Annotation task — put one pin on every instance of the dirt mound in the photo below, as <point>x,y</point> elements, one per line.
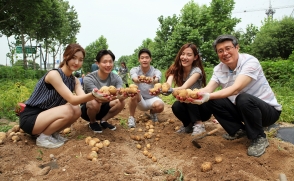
<point>176,157</point>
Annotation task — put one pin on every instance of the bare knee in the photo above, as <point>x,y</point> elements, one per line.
<point>93,106</point>
<point>158,106</point>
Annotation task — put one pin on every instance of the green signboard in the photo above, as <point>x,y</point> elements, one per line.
<point>29,50</point>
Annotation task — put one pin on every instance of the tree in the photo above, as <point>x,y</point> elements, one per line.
<point>246,38</point>
<point>92,50</point>
<point>275,39</point>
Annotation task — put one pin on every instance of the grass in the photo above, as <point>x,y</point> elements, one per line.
<point>123,123</point>
<point>5,128</point>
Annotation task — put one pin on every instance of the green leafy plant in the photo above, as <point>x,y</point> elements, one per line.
<point>5,128</point>
<point>40,155</point>
<point>123,123</point>
<point>80,137</point>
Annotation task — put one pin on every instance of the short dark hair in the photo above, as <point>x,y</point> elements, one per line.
<point>101,53</point>
<point>144,50</point>
<point>223,38</point>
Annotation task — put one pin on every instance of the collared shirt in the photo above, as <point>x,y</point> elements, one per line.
<point>143,87</point>
<point>249,66</point>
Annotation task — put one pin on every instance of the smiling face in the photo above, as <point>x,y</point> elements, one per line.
<point>187,57</point>
<point>76,62</point>
<point>145,60</point>
<point>105,64</point>
<point>228,54</point>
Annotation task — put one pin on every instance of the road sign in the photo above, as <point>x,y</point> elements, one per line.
<point>29,50</point>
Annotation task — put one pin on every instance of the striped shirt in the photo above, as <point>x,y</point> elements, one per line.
<point>196,84</point>
<point>249,66</point>
<point>92,81</point>
<point>143,87</point>
<point>45,96</point>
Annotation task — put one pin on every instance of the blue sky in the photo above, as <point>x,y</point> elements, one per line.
<point>126,23</point>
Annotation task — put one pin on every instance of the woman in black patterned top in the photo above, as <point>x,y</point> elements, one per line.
<point>53,106</point>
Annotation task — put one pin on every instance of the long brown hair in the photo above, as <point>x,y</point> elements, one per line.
<point>176,68</point>
<point>69,53</point>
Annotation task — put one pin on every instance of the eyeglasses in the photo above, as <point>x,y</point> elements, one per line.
<point>222,51</point>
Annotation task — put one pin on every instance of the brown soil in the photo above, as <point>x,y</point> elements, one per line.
<point>177,158</point>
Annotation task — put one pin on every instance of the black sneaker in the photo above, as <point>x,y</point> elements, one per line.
<point>95,127</point>
<point>239,134</point>
<point>257,146</point>
<point>107,125</point>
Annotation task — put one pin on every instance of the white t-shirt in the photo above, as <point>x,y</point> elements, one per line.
<point>250,66</point>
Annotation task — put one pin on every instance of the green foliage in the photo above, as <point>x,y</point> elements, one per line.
<point>18,72</point>
<point>92,50</point>
<point>246,38</point>
<point>5,128</point>
<point>280,73</point>
<point>275,39</point>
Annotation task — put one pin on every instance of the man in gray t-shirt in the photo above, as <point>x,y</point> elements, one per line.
<point>104,108</point>
<point>143,100</point>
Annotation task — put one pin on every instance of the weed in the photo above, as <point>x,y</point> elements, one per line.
<point>123,123</point>
<point>178,174</point>
<point>5,128</point>
<point>40,155</point>
<point>80,137</point>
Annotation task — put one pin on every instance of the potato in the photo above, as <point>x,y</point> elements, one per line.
<point>148,146</point>
<point>95,149</point>
<point>194,94</point>
<point>106,143</point>
<point>133,86</point>
<point>165,87</point>
<point>2,135</point>
<point>154,159</point>
<point>145,152</point>
<point>131,90</point>
<point>92,142</point>
<point>157,86</point>
<point>15,138</point>
<point>112,90</point>
<point>150,155</point>
<point>99,145</point>
<point>91,155</point>
<point>153,90</point>
<point>66,130</point>
<point>183,94</point>
<point>94,159</point>
<point>141,77</point>
<point>96,139</point>
<point>139,146</point>
<point>206,166</point>
<point>87,140</point>
<point>218,159</point>
<point>104,88</point>
<point>176,92</point>
<point>15,128</point>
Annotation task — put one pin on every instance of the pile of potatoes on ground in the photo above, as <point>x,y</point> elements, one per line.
<point>96,144</point>
<point>14,134</point>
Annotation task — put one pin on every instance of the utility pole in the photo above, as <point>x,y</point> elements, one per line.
<point>270,11</point>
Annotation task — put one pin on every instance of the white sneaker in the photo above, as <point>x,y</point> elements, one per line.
<point>198,129</point>
<point>60,138</point>
<point>48,142</point>
<point>131,122</point>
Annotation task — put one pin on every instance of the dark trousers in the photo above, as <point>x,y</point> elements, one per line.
<point>189,113</point>
<point>249,113</point>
